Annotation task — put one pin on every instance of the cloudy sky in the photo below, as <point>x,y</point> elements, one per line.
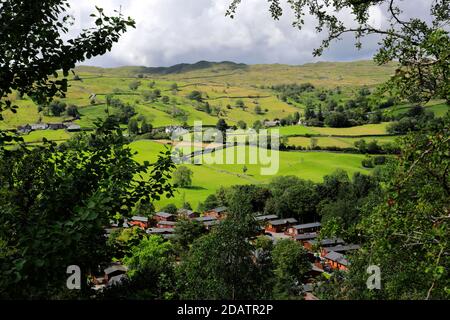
<point>175,31</point>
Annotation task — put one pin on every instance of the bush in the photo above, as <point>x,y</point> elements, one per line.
<point>379,160</point>
<point>367,163</point>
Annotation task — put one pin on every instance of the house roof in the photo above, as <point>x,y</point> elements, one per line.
<point>266,217</point>
<point>164,214</point>
<point>204,219</point>
<point>73,127</point>
<point>167,223</point>
<point>160,230</point>
<point>328,242</point>
<point>115,268</point>
<point>337,257</point>
<point>282,221</point>
<point>117,280</point>
<point>306,236</point>
<point>307,225</point>
<point>219,209</point>
<point>139,218</point>
<point>185,212</point>
<point>344,248</point>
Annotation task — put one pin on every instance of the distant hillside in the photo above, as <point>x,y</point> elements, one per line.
<point>187,67</point>
<point>323,74</point>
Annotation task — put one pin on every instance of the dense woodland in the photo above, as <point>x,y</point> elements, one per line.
<point>57,199</point>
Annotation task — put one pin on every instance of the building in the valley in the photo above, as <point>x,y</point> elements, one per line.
<point>166,224</point>
<point>186,213</point>
<point>160,231</point>
<point>269,124</point>
<point>336,261</point>
<point>142,222</point>
<point>26,129</point>
<point>266,218</point>
<point>303,228</point>
<point>305,237</point>
<point>218,213</point>
<point>56,126</point>
<point>207,222</point>
<point>280,225</point>
<point>38,126</point>
<point>341,248</point>
<point>311,244</point>
<point>73,127</point>
<point>164,216</point>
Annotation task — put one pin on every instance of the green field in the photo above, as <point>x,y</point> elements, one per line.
<point>337,141</point>
<point>222,86</point>
<point>208,178</point>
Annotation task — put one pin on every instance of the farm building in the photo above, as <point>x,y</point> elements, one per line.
<point>73,128</point>
<point>38,126</point>
<point>303,228</point>
<point>270,124</point>
<point>280,225</point>
<point>56,126</point>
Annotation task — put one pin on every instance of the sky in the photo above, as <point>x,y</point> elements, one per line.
<point>186,31</point>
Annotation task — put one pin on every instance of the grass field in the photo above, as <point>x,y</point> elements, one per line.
<point>51,135</point>
<point>337,141</point>
<point>207,178</point>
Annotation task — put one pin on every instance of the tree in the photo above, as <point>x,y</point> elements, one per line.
<point>242,125</point>
<point>406,227</point>
<point>195,95</point>
<point>182,177</point>
<point>56,201</point>
<point>240,104</point>
<point>244,169</point>
<point>293,197</point>
<point>211,202</point>
<point>121,241</point>
<point>170,208</point>
<point>220,265</point>
<point>258,109</point>
<point>419,45</point>
<point>336,120</point>
<point>146,127</point>
<point>134,85</point>
<point>165,99</point>
<point>186,232</point>
<point>151,269</point>
<point>26,69</point>
<point>72,111</point>
<point>145,209</point>
<point>257,125</point>
<point>291,264</point>
<point>56,108</point>
<point>174,87</point>
<point>133,126</point>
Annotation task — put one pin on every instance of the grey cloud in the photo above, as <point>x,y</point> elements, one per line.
<point>174,31</point>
